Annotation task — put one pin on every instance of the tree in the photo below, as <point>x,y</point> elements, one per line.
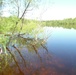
<point>1,4</point>
<point>19,6</point>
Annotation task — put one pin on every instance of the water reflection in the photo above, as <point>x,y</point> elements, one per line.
<point>62,43</point>
<point>30,56</point>
<point>24,55</point>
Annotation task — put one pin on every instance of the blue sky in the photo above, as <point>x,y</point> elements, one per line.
<point>53,10</point>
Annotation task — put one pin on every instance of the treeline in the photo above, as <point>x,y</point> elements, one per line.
<point>8,24</point>
<point>66,23</point>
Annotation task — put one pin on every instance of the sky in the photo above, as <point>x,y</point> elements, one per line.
<point>52,10</point>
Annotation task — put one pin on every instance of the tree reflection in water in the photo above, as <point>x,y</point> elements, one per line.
<point>20,49</point>
<point>30,56</point>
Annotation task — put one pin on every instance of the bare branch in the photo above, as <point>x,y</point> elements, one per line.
<point>25,9</point>
<point>15,61</point>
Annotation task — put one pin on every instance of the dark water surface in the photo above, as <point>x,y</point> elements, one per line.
<point>62,44</point>
<point>61,56</point>
<point>56,57</point>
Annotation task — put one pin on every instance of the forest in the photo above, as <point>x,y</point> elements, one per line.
<point>7,24</point>
<point>65,23</point>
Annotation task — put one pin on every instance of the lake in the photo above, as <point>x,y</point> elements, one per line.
<point>57,56</point>
<point>62,43</point>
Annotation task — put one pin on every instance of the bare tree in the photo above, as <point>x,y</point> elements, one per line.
<point>26,5</point>
<point>1,4</point>
<point>18,6</point>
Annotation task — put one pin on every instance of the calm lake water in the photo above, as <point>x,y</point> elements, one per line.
<point>56,57</point>
<point>62,43</point>
<point>61,56</point>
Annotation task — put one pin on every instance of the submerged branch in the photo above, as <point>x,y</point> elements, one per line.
<point>44,47</point>
<point>36,51</point>
<point>20,54</point>
<point>15,61</point>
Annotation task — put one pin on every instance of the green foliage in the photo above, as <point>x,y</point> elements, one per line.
<point>66,23</point>
<point>9,25</point>
<point>5,68</point>
<point>9,28</point>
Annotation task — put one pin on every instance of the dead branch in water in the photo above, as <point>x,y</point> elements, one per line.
<point>20,54</point>
<point>15,61</point>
